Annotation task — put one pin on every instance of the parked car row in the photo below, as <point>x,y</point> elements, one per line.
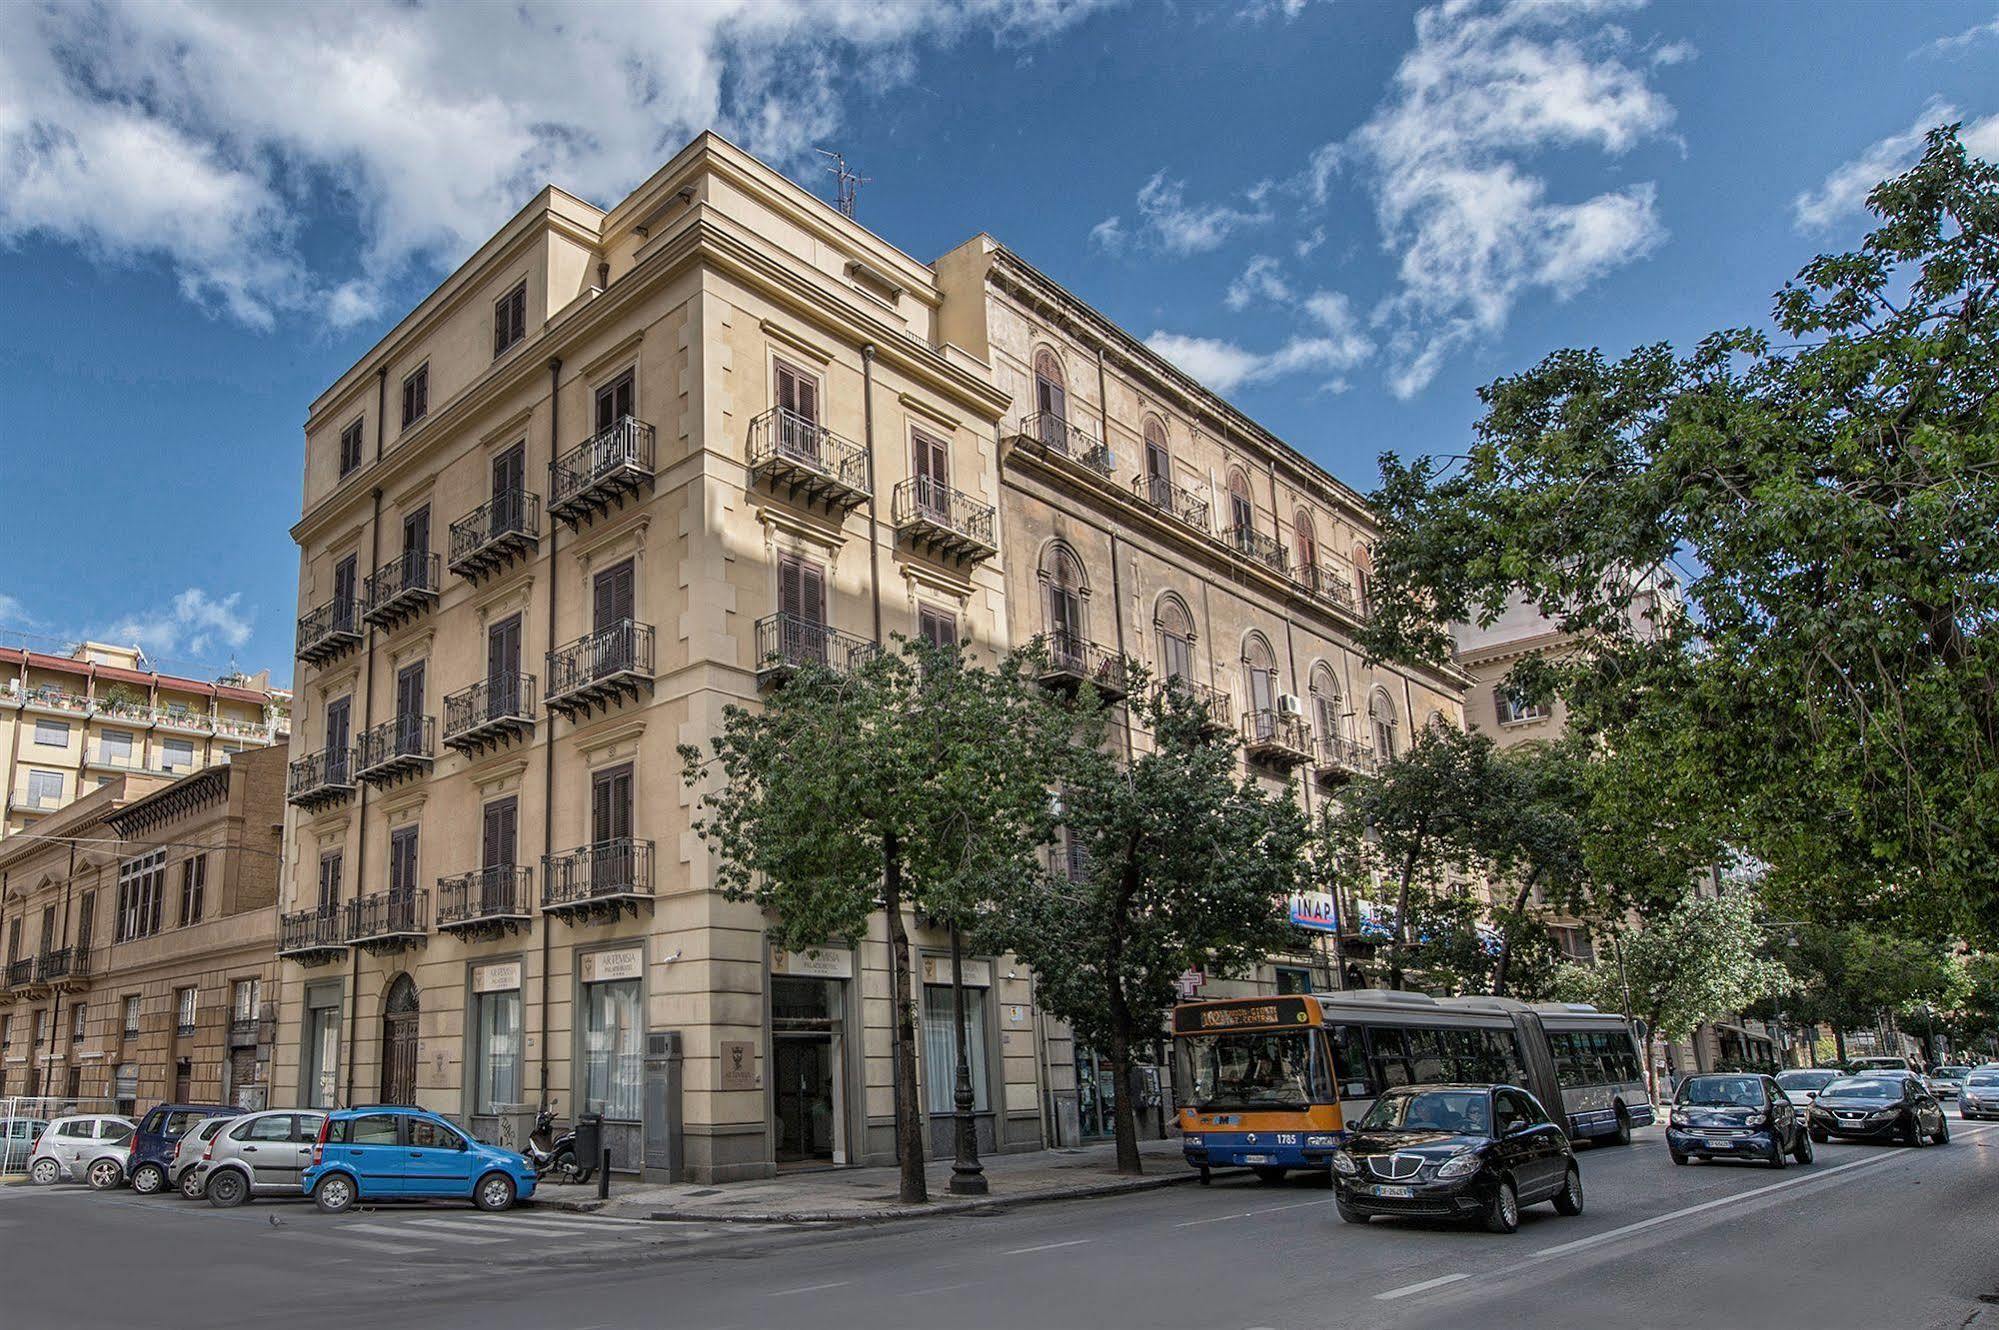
<point>339,1158</point>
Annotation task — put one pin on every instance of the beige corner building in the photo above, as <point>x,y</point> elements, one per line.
<point>140,931</point>
<point>619,472</point>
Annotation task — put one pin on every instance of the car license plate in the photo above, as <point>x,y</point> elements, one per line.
<point>1392,1193</point>
<point>1256,1159</point>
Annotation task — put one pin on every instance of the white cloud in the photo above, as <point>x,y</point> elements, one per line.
<point>198,132</point>
<point>1262,279</point>
<point>1445,157</point>
<point>1168,222</point>
<point>1109,234</point>
<point>192,624</point>
<point>1225,366</point>
<point>13,614</point>
<point>1844,191</point>
<point>1315,238</point>
<point>1673,53</point>
<point>1969,37</point>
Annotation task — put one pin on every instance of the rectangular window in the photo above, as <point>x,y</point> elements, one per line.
<point>612,1039</point>
<point>1292,980</point>
<point>510,319</point>
<point>141,895</point>
<point>615,401</point>
<point>329,882</point>
<point>402,861</point>
<point>350,449</point>
<point>1514,708</point>
<point>797,397</point>
<point>244,997</point>
<point>79,1021</point>
<point>177,754</point>
<point>184,1001</point>
<point>52,733</point>
<point>940,1048</point>
<point>131,1016</point>
<point>115,746</point>
<point>322,1052</point>
<point>193,887</point>
<point>126,1082</point>
<point>496,1054</point>
<point>937,627</point>
<point>44,788</point>
<point>416,395</point>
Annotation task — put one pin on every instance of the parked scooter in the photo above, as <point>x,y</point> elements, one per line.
<point>554,1156</point>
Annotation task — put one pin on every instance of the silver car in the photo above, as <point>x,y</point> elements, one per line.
<point>184,1170</point>
<point>259,1154</point>
<point>92,1148</point>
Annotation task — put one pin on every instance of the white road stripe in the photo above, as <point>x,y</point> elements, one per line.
<point>322,1236</point>
<point>580,1227</point>
<point>1047,1246</point>
<point>475,1231</point>
<point>809,1288</point>
<point>1250,1214</point>
<point>403,1231</point>
<point>1409,1290</point>
<point>571,1217</point>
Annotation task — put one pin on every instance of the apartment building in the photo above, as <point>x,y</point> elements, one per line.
<point>622,470</point>
<point>71,723</point>
<point>139,929</point>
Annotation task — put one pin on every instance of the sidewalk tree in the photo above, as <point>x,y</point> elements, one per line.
<point>915,782</point>
<point>1849,978</point>
<point>1173,860</point>
<point>1697,962</point>
<point>1823,687</point>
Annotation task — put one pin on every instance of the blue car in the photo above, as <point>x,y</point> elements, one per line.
<point>393,1153</point>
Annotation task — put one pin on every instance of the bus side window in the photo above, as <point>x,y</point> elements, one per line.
<point>1506,1044</point>
<point>1426,1056</point>
<point>1573,1059</point>
<point>1385,1055</point>
<point>1349,1061</point>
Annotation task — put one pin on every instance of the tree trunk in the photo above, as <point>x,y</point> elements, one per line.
<point>1651,1063</point>
<point>1839,1045</point>
<point>1506,933</point>
<point>908,1112</point>
<point>1124,1114</point>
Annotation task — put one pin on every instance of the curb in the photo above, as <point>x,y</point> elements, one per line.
<point>894,1213</point>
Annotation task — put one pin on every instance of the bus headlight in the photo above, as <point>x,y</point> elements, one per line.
<point>1190,1139</point>
<point>1343,1164</point>
<point>1459,1166</point>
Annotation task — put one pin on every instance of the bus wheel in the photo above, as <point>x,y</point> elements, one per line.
<point>1622,1136</point>
<point>1269,1173</point>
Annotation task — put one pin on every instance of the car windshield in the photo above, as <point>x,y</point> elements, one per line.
<point>1806,1079</point>
<point>1723,1092</point>
<point>1982,1078</point>
<point>1459,1112</point>
<point>1247,1069</point>
<point>1864,1087</point>
<point>1951,1073</point>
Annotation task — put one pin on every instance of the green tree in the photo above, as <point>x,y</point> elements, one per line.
<point>916,782</point>
<point>1849,978</point>
<point>1826,697</point>
<point>1697,962</point>
<point>1174,861</point>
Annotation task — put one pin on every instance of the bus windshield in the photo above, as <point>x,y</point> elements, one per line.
<point>1248,1069</point>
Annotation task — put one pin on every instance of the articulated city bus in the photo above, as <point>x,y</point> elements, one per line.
<point>1274,1083</point>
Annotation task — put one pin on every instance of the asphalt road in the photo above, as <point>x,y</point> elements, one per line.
<point>1868,1236</point>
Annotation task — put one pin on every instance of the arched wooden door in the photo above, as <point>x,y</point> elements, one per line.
<point>399,1020</point>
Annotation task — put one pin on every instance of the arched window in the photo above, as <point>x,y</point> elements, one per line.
<point>1308,549</point>
<point>1260,668</point>
<point>1051,395</point>
<point>1328,707</point>
<point>1381,719</point>
<point>1176,638</point>
<point>1242,513</point>
<point>1062,576</point>
<point>1158,460</point>
<point>1363,573</point>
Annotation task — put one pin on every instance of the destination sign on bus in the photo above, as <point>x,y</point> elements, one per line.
<point>1239,1015</point>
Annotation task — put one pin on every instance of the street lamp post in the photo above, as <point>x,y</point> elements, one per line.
<point>968,1178</point>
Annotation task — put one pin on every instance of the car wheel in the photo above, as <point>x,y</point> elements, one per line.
<point>1503,1214</point>
<point>1943,1130</point>
<point>226,1189</point>
<point>494,1192</point>
<point>148,1179</point>
<point>1269,1173</point>
<point>1678,1158</point>
<point>1348,1213</point>
<point>1804,1148</point>
<point>45,1173</point>
<point>104,1174</point>
<point>1569,1200</point>
<point>1819,1137</point>
<point>1776,1157</point>
<point>1912,1134</point>
<point>190,1185</point>
<point>335,1194</point>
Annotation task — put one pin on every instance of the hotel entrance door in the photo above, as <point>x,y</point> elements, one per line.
<point>805,1064</point>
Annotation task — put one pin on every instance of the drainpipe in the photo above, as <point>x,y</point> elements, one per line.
<point>868,439</point>
<point>548,740</point>
<point>353,1015</point>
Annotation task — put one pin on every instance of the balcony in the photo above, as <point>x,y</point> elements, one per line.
<point>1330,587</point>
<point>243,1031</point>
<point>1339,760</point>
<point>321,778</point>
<point>229,727</point>
<point>1162,495</point>
<point>944,521</point>
<point>21,976</point>
<point>33,803</point>
<point>486,902</point>
<point>604,668</point>
<point>1212,702</point>
<point>397,748</point>
<point>64,970</point>
<point>490,537</point>
<point>802,459</point>
<point>313,937</point>
<point>1253,545</point>
<point>401,589</point>
<point>1051,434</point>
<point>329,631</point>
<point>183,720</point>
<point>388,921</point>
<point>56,701</point>
<point>489,713</point>
<point>600,472</point>
<point>787,643</point>
<point>1276,738</point>
<point>1073,661</point>
<point>597,881</point>
<point>107,758</point>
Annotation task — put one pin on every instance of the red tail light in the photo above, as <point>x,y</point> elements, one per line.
<point>319,1142</point>
<point>40,1141</point>
<point>209,1152</point>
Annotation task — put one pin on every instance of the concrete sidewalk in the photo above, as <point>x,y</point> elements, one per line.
<point>868,1195</point>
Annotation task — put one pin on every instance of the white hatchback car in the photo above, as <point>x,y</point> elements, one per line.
<point>91,1148</point>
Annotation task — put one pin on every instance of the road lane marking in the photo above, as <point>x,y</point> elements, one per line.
<point>322,1237</point>
<point>941,1288</point>
<point>1047,1246</point>
<point>477,1232</point>
<point>573,1228</point>
<point>1410,1290</point>
<point>1250,1214</point>
<point>809,1288</point>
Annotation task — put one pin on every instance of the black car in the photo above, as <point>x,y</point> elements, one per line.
<point>1738,1115</point>
<point>1880,1108</point>
<point>1456,1151</point>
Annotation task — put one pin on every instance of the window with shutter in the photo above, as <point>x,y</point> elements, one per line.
<point>938,627</point>
<point>612,596</point>
<point>416,395</point>
<point>510,319</point>
<point>615,401</point>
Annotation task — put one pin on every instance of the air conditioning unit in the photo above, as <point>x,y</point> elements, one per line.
<point>1289,704</point>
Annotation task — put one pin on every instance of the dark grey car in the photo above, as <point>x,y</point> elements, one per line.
<point>260,1154</point>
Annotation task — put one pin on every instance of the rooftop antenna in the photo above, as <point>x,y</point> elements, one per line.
<point>850,181</point>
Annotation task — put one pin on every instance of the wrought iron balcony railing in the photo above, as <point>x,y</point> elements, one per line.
<point>402,588</point>
<point>1073,661</point>
<point>949,521</point>
<point>785,642</point>
<point>388,920</point>
<point>1050,431</point>
<point>1212,701</point>
<point>491,711</point>
<point>1180,504</point>
<point>805,459</point>
<point>398,747</point>
<point>65,967</point>
<point>600,471</point>
<point>320,778</point>
<point>597,879</point>
<point>1257,547</point>
<point>492,899</point>
<point>329,630</point>
<point>1333,588</point>
<point>1339,759</point>
<point>21,973</point>
<point>609,664</point>
<point>495,533</point>
<point>313,935</point>
<point>1275,737</point>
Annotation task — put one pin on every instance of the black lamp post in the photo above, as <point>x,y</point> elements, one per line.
<point>968,1178</point>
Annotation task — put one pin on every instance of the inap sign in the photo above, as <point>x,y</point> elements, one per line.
<point>1316,910</point>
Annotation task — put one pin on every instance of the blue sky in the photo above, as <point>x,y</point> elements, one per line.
<point>1347,216</point>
